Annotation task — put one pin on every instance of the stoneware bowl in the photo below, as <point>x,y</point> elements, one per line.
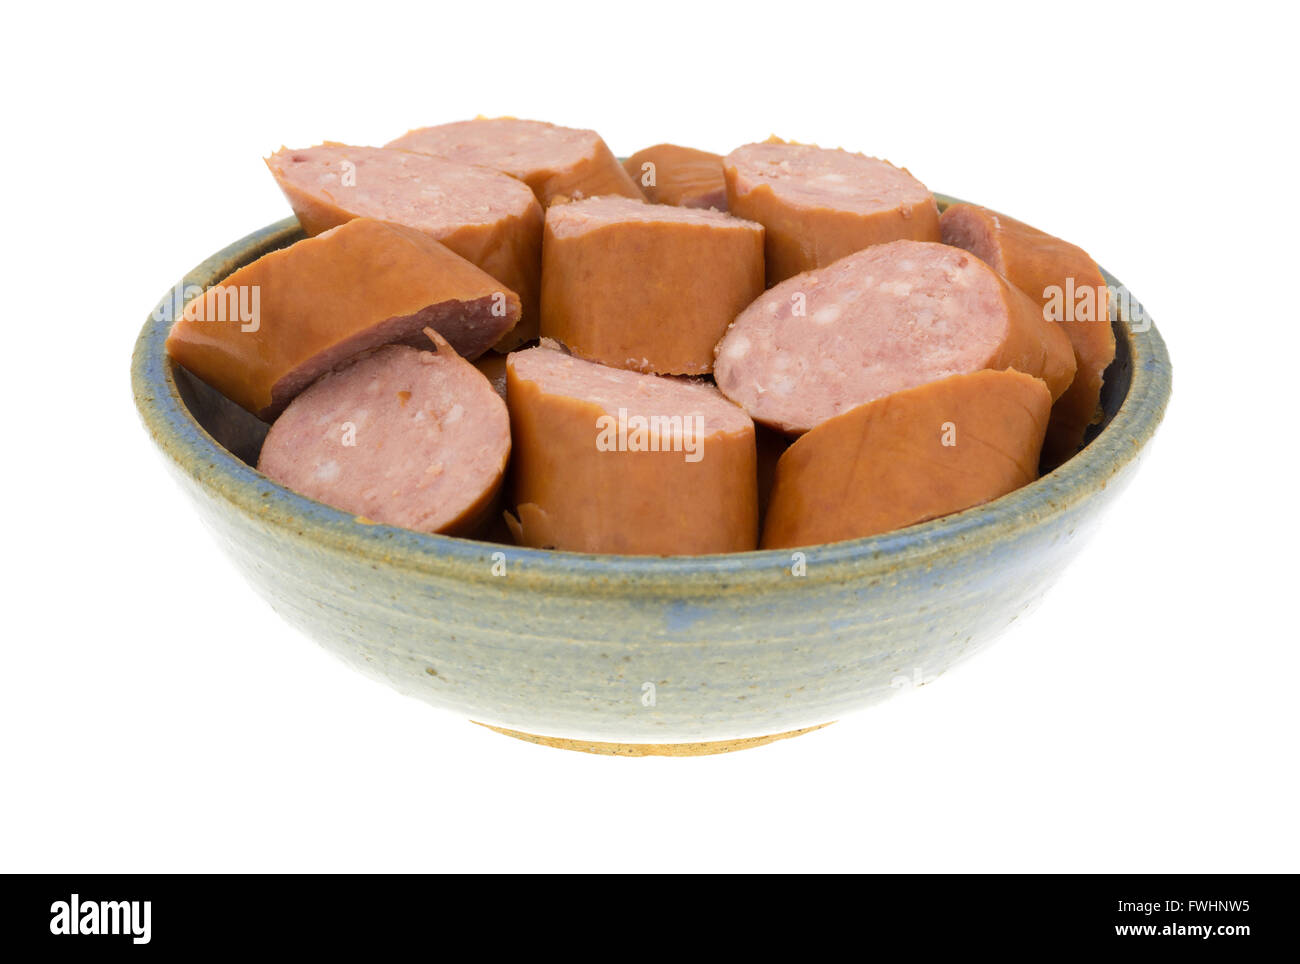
<point>625,654</point>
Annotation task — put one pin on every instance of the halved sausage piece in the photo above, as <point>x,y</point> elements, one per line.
<point>646,286</point>
<point>819,205</point>
<point>1036,262</point>
<point>671,174</point>
<point>272,327</point>
<point>488,218</point>
<point>558,163</point>
<point>400,436</point>
<point>890,317</point>
<point>912,456</point>
<point>609,460</point>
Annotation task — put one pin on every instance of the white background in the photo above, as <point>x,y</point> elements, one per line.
<point>155,714</point>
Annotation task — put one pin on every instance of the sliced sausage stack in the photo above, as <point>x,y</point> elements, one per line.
<point>787,335</point>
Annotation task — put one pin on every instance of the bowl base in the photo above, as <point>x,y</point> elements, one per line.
<point>651,749</point>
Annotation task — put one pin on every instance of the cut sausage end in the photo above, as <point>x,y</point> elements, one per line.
<point>403,437</point>
<point>556,162</point>
<point>888,318</point>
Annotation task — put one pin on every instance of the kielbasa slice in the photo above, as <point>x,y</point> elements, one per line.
<point>322,300</point>
<point>558,163</point>
<point>1035,262</point>
<point>908,457</point>
<point>488,218</point>
<point>646,286</point>
<point>819,205</point>
<point>671,174</point>
<point>890,317</point>
<point>399,436</point>
<point>610,460</point>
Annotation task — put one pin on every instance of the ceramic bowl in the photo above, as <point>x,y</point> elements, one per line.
<point>627,654</point>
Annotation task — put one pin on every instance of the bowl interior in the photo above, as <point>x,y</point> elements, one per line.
<point>195,424</point>
<point>242,434</point>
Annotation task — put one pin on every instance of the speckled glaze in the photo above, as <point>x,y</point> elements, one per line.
<point>636,650</point>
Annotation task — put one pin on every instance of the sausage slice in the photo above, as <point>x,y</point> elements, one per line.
<point>646,286</point>
<point>670,174</point>
<point>400,436</point>
<point>911,456</point>
<point>1035,262</point>
<point>609,460</point>
<point>556,162</point>
<point>315,304</point>
<point>890,317</point>
<point>488,218</point>
<point>819,205</point>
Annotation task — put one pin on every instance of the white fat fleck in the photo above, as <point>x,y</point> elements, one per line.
<point>737,347</point>
<point>327,472</point>
<point>784,385</point>
<point>827,315</point>
<point>453,414</point>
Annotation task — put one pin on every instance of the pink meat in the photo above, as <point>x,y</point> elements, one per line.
<point>817,177</point>
<point>505,143</point>
<point>432,194</point>
<point>887,318</point>
<point>636,393</point>
<point>400,436</point>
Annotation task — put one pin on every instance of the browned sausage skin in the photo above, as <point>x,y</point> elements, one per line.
<point>887,318</point>
<point>558,163</point>
<point>671,174</point>
<point>319,302</point>
<point>912,456</point>
<point>1036,263</point>
<point>646,286</point>
<point>610,460</point>
<point>488,218</point>
<point>399,436</point>
<point>819,205</point>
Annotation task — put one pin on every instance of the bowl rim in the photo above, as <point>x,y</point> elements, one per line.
<point>196,453</point>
